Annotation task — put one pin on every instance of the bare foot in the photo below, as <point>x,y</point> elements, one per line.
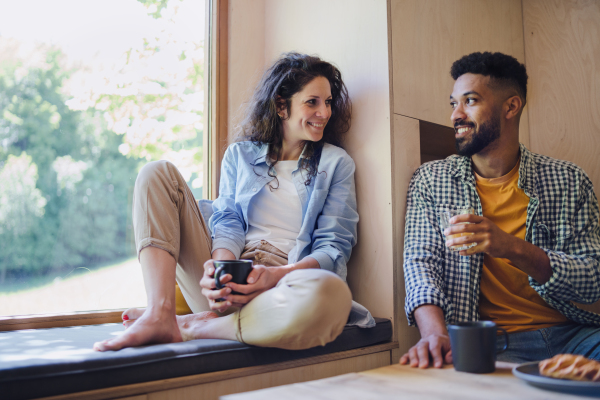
<point>189,324</point>
<point>131,315</point>
<point>149,328</point>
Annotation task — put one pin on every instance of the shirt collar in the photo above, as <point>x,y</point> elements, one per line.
<point>527,176</point>
<point>463,169</point>
<point>263,151</point>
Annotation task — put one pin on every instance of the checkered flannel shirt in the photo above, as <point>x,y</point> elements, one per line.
<point>562,219</point>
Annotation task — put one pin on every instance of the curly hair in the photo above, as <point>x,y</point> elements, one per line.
<point>286,77</point>
<point>504,70</point>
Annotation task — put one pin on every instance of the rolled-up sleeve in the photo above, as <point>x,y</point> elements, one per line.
<point>336,228</point>
<point>576,260</point>
<point>227,222</point>
<point>423,252</point>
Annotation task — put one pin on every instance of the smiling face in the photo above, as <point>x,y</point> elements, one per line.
<point>476,114</point>
<point>309,111</point>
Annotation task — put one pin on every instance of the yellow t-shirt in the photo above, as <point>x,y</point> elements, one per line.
<point>506,297</point>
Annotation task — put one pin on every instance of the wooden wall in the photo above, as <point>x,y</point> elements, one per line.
<point>562,55</point>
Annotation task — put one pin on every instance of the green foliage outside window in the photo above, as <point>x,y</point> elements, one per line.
<point>69,154</point>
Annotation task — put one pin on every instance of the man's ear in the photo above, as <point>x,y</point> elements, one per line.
<point>512,107</point>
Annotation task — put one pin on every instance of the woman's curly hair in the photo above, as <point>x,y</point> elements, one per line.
<point>286,77</point>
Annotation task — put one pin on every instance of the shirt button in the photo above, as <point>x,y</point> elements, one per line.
<point>254,189</point>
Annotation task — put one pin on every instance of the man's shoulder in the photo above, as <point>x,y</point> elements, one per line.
<point>440,169</point>
<point>550,168</point>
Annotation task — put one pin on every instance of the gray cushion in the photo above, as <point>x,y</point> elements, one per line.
<point>48,362</point>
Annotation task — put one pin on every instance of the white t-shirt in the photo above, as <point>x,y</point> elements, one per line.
<point>276,215</point>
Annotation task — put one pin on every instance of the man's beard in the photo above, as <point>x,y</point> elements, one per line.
<point>487,133</point>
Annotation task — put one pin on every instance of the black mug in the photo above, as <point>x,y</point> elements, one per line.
<point>474,346</point>
<point>238,269</point>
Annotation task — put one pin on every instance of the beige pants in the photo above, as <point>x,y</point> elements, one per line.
<point>305,309</point>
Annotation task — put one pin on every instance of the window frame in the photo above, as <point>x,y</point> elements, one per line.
<point>215,142</point>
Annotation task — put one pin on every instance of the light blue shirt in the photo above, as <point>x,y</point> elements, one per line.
<point>329,211</point>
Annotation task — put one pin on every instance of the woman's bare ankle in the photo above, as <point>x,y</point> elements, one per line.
<point>206,325</point>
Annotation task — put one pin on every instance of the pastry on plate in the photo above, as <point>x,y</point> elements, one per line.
<point>571,366</point>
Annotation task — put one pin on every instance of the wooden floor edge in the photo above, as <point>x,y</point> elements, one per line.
<point>173,383</point>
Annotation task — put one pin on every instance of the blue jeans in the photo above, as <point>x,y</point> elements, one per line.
<point>544,343</point>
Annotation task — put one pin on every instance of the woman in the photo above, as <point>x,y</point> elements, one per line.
<point>286,200</point>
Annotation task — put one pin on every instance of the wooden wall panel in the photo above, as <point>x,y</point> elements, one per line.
<point>406,159</point>
<point>562,47</point>
<point>429,35</point>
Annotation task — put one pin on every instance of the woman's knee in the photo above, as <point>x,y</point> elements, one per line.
<point>154,172</point>
<point>323,285</point>
<point>330,288</point>
<point>307,308</point>
<point>320,293</point>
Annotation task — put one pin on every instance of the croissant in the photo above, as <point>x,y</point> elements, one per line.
<point>571,366</point>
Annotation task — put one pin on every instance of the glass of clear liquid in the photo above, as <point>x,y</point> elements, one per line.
<point>445,217</point>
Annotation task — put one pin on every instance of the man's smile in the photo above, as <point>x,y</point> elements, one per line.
<point>462,130</point>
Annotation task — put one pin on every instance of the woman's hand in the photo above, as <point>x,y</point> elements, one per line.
<point>259,280</point>
<point>208,288</point>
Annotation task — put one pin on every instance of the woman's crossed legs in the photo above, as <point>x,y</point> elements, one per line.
<point>306,308</point>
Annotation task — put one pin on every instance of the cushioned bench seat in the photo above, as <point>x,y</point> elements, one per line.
<point>47,362</point>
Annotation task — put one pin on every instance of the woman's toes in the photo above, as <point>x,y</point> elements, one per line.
<point>127,324</point>
<point>100,346</point>
<point>132,314</point>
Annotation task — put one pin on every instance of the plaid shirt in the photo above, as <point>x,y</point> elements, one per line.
<point>562,219</point>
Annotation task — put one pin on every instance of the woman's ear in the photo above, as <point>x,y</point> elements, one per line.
<point>281,107</point>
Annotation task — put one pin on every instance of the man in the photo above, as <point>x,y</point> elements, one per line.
<point>535,228</point>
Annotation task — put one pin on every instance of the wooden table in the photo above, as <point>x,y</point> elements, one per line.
<point>402,382</point>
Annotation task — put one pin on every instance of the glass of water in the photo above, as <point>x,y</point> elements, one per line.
<point>445,216</point>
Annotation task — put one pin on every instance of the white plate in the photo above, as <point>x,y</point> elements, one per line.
<point>530,373</point>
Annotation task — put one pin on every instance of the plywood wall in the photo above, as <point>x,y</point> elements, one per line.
<point>562,47</point>
<point>246,56</point>
<point>405,160</point>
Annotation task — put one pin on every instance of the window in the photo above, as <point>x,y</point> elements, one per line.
<point>90,91</point>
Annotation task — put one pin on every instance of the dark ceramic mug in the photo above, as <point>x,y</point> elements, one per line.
<point>474,346</point>
<point>238,269</point>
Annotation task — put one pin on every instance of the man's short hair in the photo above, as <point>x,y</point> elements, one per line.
<point>504,70</point>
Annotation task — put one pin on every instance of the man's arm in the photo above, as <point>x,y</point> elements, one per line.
<point>426,300</point>
<point>498,244</point>
<point>434,339</point>
<point>569,270</point>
